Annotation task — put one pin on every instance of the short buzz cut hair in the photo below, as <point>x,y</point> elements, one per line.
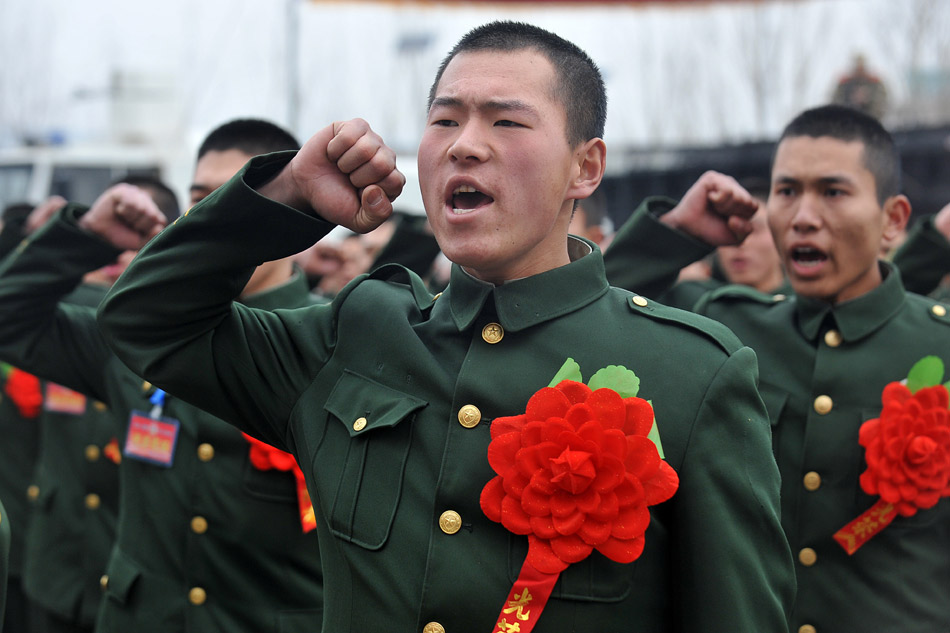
<point>579,87</point>
<point>249,136</point>
<point>881,157</point>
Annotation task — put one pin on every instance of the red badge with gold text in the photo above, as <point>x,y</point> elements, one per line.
<point>907,451</point>
<point>576,472</point>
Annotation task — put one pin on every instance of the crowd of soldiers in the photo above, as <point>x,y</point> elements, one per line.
<point>218,420</point>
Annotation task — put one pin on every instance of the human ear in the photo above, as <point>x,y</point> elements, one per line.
<point>896,216</point>
<point>590,160</point>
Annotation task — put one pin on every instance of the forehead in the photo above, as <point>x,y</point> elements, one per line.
<point>216,167</point>
<point>807,157</point>
<point>482,76</point>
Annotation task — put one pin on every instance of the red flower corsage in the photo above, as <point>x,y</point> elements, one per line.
<point>577,472</point>
<point>907,450</point>
<point>24,390</point>
<point>266,457</point>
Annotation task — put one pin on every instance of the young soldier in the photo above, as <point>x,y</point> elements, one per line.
<point>210,533</point>
<point>389,396</point>
<point>826,354</point>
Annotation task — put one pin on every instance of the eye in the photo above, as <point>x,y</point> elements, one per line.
<point>834,192</point>
<point>507,123</point>
<point>445,123</point>
<point>783,190</point>
<point>197,197</point>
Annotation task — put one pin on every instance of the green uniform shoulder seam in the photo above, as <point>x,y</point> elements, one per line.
<point>708,328</point>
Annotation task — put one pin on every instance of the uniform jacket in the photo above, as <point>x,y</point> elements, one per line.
<point>4,559</point>
<point>208,544</point>
<point>367,393</point>
<point>898,581</point>
<point>76,499</point>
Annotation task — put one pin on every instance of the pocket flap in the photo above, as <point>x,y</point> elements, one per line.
<point>122,573</point>
<point>363,404</point>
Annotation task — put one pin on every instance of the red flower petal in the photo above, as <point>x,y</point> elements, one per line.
<point>622,551</point>
<point>575,391</point>
<point>642,460</point>
<point>662,487</point>
<point>513,517</point>
<point>543,527</point>
<point>631,522</point>
<point>502,451</point>
<point>568,524</point>
<point>542,557</point>
<point>507,424</point>
<point>490,499</point>
<point>608,408</point>
<point>562,504</point>
<point>547,403</point>
<point>639,416</point>
<point>536,503</point>
<point>571,549</point>
<point>594,532</point>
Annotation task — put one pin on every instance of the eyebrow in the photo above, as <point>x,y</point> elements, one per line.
<point>824,180</point>
<point>492,105</point>
<point>199,187</point>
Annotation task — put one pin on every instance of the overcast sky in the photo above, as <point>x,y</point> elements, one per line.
<point>706,73</point>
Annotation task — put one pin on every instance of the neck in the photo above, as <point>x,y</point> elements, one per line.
<point>268,275</point>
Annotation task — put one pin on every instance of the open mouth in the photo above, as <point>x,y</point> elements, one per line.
<point>805,257</point>
<point>466,199</point>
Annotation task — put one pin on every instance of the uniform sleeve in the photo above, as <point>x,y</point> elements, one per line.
<point>39,333</point>
<point>733,557</point>
<point>645,256</point>
<point>173,320</point>
<point>924,258</point>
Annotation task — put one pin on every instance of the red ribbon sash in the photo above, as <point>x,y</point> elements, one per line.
<point>526,600</point>
<point>266,457</point>
<point>862,529</point>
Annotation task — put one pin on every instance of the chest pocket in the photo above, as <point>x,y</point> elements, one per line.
<point>372,423</point>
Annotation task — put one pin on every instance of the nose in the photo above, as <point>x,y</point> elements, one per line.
<point>806,218</point>
<point>470,143</point>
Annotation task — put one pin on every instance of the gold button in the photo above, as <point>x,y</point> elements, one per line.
<point>93,501</point>
<point>99,406</point>
<point>807,628</point>
<point>197,596</point>
<point>640,301</point>
<point>832,338</point>
<point>469,416</point>
<point>205,452</point>
<point>492,333</point>
<point>104,582</point>
<point>779,297</point>
<point>438,294</point>
<point>92,452</point>
<point>939,310</point>
<point>360,424</point>
<point>812,481</point>
<point>146,386</point>
<point>199,525</point>
<point>32,492</point>
<point>823,404</point>
<point>433,627</point>
<point>450,522</point>
<point>807,557</point>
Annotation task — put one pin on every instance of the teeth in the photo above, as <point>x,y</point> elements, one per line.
<point>461,211</point>
<point>464,189</point>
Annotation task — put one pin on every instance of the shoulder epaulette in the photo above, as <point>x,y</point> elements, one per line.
<point>739,292</point>
<point>713,330</point>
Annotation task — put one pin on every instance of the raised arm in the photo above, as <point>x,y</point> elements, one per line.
<point>172,316</point>
<point>663,236</point>
<point>40,334</point>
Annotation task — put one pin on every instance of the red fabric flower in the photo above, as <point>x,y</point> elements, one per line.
<point>263,456</point>
<point>576,472</point>
<point>24,390</point>
<point>907,449</point>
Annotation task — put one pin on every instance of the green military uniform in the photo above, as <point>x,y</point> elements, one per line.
<point>368,393</point>
<point>209,543</point>
<point>822,371</point>
<point>19,448</point>
<point>4,559</point>
<point>76,499</point>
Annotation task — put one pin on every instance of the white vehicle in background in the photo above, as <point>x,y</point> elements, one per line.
<point>77,173</point>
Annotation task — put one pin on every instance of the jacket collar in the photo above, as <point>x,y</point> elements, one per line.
<point>858,317</point>
<point>522,303</point>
